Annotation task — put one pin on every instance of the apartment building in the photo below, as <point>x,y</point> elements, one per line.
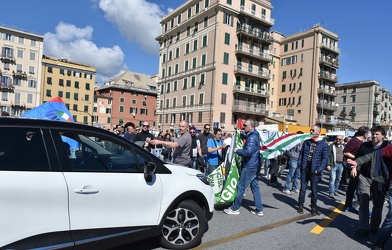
<point>214,63</point>
<point>364,103</point>
<point>130,97</point>
<point>20,70</point>
<point>73,82</point>
<point>308,63</point>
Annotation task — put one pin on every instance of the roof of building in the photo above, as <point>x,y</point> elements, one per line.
<point>131,80</point>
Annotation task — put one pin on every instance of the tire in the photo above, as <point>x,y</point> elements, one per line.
<point>184,226</point>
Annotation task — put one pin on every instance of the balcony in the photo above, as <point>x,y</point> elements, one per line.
<point>290,118</point>
<point>252,72</point>
<point>7,57</point>
<point>5,87</point>
<point>250,91</point>
<point>328,76</point>
<point>352,113</point>
<point>330,48</point>
<point>330,62</point>
<point>327,106</point>
<point>376,92</point>
<point>253,53</point>
<point>249,110</point>
<point>376,112</point>
<point>326,91</point>
<point>19,74</point>
<point>256,33</point>
<point>326,120</point>
<point>257,15</point>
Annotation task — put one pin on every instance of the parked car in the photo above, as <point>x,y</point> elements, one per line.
<point>67,185</point>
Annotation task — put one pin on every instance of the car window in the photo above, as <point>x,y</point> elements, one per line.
<point>87,152</point>
<point>22,149</point>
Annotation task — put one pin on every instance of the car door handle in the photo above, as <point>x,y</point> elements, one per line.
<point>86,190</point>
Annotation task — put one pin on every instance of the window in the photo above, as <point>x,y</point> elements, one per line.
<point>227,38</point>
<point>32,55</point>
<point>202,76</point>
<point>185,83</point>
<point>194,63</point>
<point>31,70</point>
<point>76,85</point>
<point>67,95</point>
<point>188,31</point>
<point>226,58</point>
<point>68,83</point>
<point>203,60</point>
<point>197,7</point>
<point>284,74</point>
<point>228,19</point>
<point>228,1</point>
<point>143,112</point>
<point>86,97</point>
<point>186,67</point>
<point>224,78</point>
<point>20,53</point>
<point>344,99</point>
<point>187,48</point>
<point>48,93</point>
<point>121,109</point>
<point>194,45</point>
<point>353,98</point>
<point>201,98</point>
<point>286,47</point>
<point>168,87</point>
<point>223,98</point>
<point>61,71</point>
<point>206,3</point>
<point>108,110</point>
<point>205,22</point>
<point>193,81</point>
<point>177,52</point>
<point>14,142</point>
<point>49,80</point>
<point>284,88</point>
<point>179,19</point>
<point>76,96</point>
<point>196,27</point>
<point>204,41</point>
<point>176,69</point>
<point>189,12</point>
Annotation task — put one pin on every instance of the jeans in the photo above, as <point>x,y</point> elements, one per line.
<point>307,176</point>
<point>367,190</point>
<point>334,178</point>
<point>293,172</point>
<point>193,160</point>
<point>248,177</point>
<point>266,164</point>
<point>206,164</point>
<point>386,228</point>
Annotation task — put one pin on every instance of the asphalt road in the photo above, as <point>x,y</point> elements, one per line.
<point>282,227</point>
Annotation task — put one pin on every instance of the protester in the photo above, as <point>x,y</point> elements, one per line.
<point>203,138</point>
<point>367,189</point>
<point>312,161</point>
<point>350,152</point>
<point>214,148</point>
<point>181,145</point>
<point>335,166</point>
<point>130,131</point>
<point>381,162</point>
<point>195,148</point>
<point>294,172</point>
<point>145,136</point>
<point>251,164</point>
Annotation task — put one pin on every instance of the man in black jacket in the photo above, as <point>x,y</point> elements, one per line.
<point>143,135</point>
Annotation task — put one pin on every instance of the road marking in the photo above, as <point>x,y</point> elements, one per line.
<point>243,234</point>
<point>320,227</point>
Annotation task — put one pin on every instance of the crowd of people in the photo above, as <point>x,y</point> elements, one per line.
<point>365,159</point>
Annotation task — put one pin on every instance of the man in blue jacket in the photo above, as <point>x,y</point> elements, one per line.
<point>312,161</point>
<point>251,165</point>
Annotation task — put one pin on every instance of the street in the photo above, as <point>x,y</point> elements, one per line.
<point>282,227</point>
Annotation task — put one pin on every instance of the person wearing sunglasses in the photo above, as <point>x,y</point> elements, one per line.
<point>335,166</point>
<point>203,138</point>
<point>145,136</point>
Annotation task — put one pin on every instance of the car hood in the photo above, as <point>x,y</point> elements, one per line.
<point>177,168</point>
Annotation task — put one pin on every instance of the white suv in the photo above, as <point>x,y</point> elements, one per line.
<point>66,185</point>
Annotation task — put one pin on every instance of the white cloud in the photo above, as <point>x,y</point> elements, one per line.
<point>137,20</point>
<point>73,43</point>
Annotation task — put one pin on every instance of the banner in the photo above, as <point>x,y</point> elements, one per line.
<point>273,144</point>
<point>227,193</point>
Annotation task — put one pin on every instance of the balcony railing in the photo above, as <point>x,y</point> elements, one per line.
<point>19,73</point>
<point>251,91</point>
<point>256,33</point>
<point>249,110</point>
<point>327,106</point>
<point>328,76</point>
<point>326,91</point>
<point>332,62</point>
<point>252,72</point>
<point>254,53</point>
<point>7,57</point>
<point>6,86</point>
<point>257,15</point>
<point>330,47</point>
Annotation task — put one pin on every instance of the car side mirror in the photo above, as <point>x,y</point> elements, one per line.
<point>149,169</point>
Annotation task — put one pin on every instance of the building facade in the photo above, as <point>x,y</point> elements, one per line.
<point>308,63</point>
<point>74,83</point>
<point>214,58</point>
<point>129,97</point>
<point>20,70</point>
<point>364,103</point>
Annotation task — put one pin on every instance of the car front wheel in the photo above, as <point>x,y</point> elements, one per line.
<point>184,226</point>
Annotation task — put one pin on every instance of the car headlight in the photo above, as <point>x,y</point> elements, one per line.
<point>203,178</point>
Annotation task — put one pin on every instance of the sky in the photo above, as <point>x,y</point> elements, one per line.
<point>114,36</point>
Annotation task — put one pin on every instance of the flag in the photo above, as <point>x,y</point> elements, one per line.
<point>273,144</point>
<point>54,109</point>
<point>229,190</point>
<point>240,123</point>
